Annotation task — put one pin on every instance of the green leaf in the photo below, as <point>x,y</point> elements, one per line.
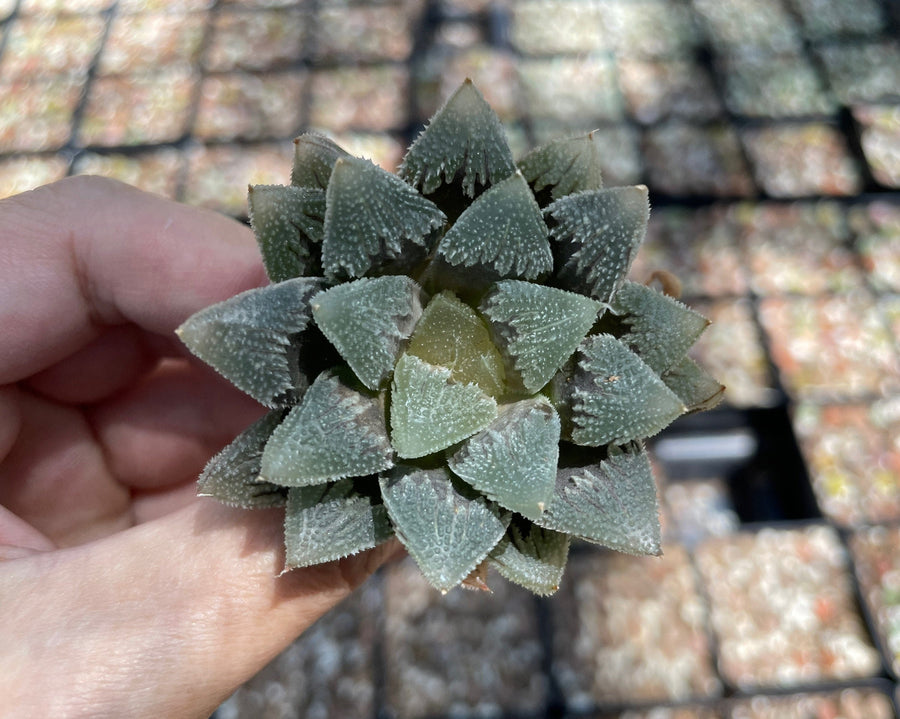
<point>335,432</point>
<point>500,235</point>
<point>288,224</point>
<point>253,338</point>
<point>695,387</point>
<point>537,327</point>
<point>464,140</point>
<point>660,329</point>
<point>232,476</point>
<point>612,502</point>
<point>531,556</point>
<point>451,334</point>
<point>332,521</point>
<point>447,528</point>
<point>430,412</point>
<point>368,321</point>
<point>513,460</point>
<point>613,397</point>
<point>374,222</point>
<point>596,236</point>
<point>314,158</point>
<point>563,166</point>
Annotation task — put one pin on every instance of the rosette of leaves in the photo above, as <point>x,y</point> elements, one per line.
<point>452,355</point>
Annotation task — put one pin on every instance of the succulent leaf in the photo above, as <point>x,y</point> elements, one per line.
<point>464,140</point>
<point>369,321</point>
<point>287,222</point>
<point>252,339</point>
<point>596,235</point>
<point>303,449</point>
<point>451,334</point>
<point>531,556</point>
<point>430,412</point>
<point>614,397</point>
<point>232,476</point>
<point>374,222</point>
<point>612,502</point>
<point>537,327</point>
<point>314,158</point>
<point>447,528</point>
<point>331,521</point>
<point>660,329</point>
<point>513,460</point>
<point>695,387</point>
<point>563,167</point>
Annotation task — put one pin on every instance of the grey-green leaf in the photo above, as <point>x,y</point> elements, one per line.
<point>252,339</point>
<point>537,327</point>
<point>232,476</point>
<point>374,222</point>
<point>500,235</point>
<point>596,235</point>
<point>695,387</point>
<point>464,140</point>
<point>612,396</point>
<point>447,528</point>
<point>335,432</point>
<point>288,224</point>
<point>513,460</point>
<point>564,166</point>
<point>660,329</point>
<point>430,412</point>
<point>531,556</point>
<point>332,521</point>
<point>369,321</point>
<point>314,158</point>
<point>612,502</point>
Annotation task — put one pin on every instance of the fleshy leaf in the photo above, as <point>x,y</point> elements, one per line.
<point>538,327</point>
<point>563,167</point>
<point>314,158</point>
<point>447,527</point>
<point>430,412</point>
<point>500,235</point>
<point>288,224</point>
<point>451,334</point>
<point>612,396</point>
<point>232,476</point>
<point>252,339</point>
<point>374,222</point>
<point>660,329</point>
<point>694,385</point>
<point>368,321</point>
<point>513,460</point>
<point>331,521</point>
<point>612,502</point>
<point>335,432</point>
<point>596,235</point>
<point>531,556</point>
<point>464,140</point>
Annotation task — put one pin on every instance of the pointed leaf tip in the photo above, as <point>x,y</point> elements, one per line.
<point>563,167</point>
<point>314,158</point>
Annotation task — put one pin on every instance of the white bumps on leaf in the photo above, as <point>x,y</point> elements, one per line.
<point>373,221</point>
<point>596,235</point>
<point>531,556</point>
<point>252,338</point>
<point>537,327</point>
<point>368,321</point>
<point>513,460</point>
<point>464,139</point>
<point>335,432</point>
<point>564,166</point>
<point>447,527</point>
<point>430,412</point>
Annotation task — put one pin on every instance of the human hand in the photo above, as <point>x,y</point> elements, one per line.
<point>123,594</point>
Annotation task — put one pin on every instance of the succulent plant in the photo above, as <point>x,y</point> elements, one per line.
<point>452,355</point>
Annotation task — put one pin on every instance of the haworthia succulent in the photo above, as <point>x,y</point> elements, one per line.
<point>564,166</point>
<point>314,158</point>
<point>369,321</point>
<point>531,556</point>
<point>695,387</point>
<point>253,338</point>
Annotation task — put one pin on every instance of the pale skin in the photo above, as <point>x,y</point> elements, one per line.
<point>123,594</point>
